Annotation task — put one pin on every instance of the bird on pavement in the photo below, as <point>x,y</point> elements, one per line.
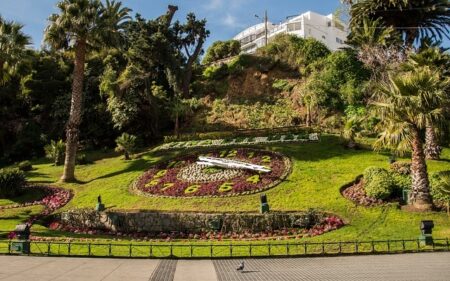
<point>241,266</point>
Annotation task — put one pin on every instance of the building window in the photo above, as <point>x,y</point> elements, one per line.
<point>294,26</point>
<point>323,37</point>
<point>339,40</point>
<point>329,23</point>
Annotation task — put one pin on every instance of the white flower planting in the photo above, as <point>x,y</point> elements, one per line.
<point>249,140</point>
<point>196,173</point>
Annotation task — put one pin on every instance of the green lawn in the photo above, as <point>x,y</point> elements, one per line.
<point>319,170</point>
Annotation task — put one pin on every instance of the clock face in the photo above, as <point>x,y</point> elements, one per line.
<point>184,177</point>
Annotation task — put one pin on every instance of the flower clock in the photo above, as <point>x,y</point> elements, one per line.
<point>185,177</point>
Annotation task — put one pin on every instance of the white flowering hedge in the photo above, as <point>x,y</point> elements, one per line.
<point>286,138</point>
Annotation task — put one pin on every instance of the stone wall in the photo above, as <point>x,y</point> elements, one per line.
<point>155,222</point>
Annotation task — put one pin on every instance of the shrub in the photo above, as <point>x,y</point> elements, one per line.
<point>25,166</point>
<point>82,159</point>
<point>55,151</point>
<point>378,183</point>
<point>440,186</point>
<point>401,182</point>
<point>400,167</point>
<point>11,182</point>
<point>282,85</point>
<point>215,72</point>
<point>126,144</point>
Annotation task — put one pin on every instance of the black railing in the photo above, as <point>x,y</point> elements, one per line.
<point>222,249</point>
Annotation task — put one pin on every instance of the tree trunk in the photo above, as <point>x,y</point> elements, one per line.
<point>432,148</point>
<point>308,115</point>
<point>420,195</point>
<point>188,72</point>
<point>126,155</point>
<point>72,129</point>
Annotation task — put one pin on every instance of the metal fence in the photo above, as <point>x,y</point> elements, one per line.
<point>222,249</point>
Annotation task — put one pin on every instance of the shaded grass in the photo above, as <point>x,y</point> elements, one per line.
<point>319,170</point>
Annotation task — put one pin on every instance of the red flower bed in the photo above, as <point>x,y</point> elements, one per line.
<point>164,179</point>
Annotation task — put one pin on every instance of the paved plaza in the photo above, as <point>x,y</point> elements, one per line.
<point>422,266</point>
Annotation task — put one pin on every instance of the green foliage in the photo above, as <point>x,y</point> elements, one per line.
<point>55,151</point>
<point>11,182</point>
<point>82,159</point>
<point>294,51</point>
<point>282,85</point>
<point>440,186</point>
<point>25,166</point>
<point>215,72</point>
<point>401,167</point>
<point>401,181</point>
<point>378,183</point>
<point>126,144</point>
<point>221,50</point>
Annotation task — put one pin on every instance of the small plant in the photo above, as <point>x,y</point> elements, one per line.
<point>25,166</point>
<point>82,159</point>
<point>11,182</point>
<point>55,151</point>
<point>440,188</point>
<point>126,144</point>
<point>282,85</point>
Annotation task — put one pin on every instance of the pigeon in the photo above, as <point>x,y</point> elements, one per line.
<point>241,266</point>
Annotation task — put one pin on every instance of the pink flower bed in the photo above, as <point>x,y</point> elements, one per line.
<point>163,179</point>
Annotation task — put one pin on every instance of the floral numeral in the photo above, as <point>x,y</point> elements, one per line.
<point>160,174</point>
<point>253,179</point>
<point>167,185</point>
<point>223,153</point>
<point>192,189</point>
<point>152,183</point>
<point>266,159</point>
<point>232,153</point>
<point>226,186</point>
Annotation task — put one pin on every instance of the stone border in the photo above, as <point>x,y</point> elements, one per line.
<point>288,170</point>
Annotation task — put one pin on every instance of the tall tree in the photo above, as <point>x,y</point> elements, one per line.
<point>405,104</point>
<point>13,43</point>
<point>414,19</point>
<point>80,26</point>
<point>436,59</point>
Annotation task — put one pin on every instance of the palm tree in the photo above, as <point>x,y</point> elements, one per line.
<point>414,19</point>
<point>126,143</point>
<point>13,44</point>
<point>80,26</point>
<point>434,58</point>
<point>405,104</point>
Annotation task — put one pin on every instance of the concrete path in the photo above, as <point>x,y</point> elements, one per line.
<point>423,266</point>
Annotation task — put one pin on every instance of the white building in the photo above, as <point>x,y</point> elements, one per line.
<point>326,29</point>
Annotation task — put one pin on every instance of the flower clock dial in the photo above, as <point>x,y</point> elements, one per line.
<point>185,177</point>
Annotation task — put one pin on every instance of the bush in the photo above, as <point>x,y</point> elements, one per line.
<point>82,159</point>
<point>403,168</point>
<point>440,186</point>
<point>401,182</point>
<point>25,166</point>
<point>126,144</point>
<point>378,183</point>
<point>11,182</point>
<point>282,85</point>
<point>55,151</point>
<point>215,72</point>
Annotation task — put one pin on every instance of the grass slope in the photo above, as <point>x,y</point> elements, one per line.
<point>319,170</point>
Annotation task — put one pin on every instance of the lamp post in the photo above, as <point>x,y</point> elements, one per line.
<point>266,32</point>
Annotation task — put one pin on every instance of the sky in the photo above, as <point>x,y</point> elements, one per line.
<point>225,18</point>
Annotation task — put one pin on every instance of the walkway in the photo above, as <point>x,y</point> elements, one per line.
<point>423,266</point>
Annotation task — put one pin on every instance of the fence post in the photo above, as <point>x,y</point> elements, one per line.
<point>323,248</point>
<point>287,248</point>
<point>389,246</point>
<point>109,249</point>
<point>418,245</point>
<point>306,248</point>
<point>9,246</point>
<point>211,250</point>
<point>340,247</point>
<point>403,244</point>
<point>48,248</point>
<point>68,248</point>
<point>190,246</point>
<point>151,250</point>
<point>131,244</point>
<point>356,247</point>
<point>448,245</point>
<point>171,249</point>
<point>89,248</point>
<point>270,247</point>
<point>373,246</point>
<point>231,249</point>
